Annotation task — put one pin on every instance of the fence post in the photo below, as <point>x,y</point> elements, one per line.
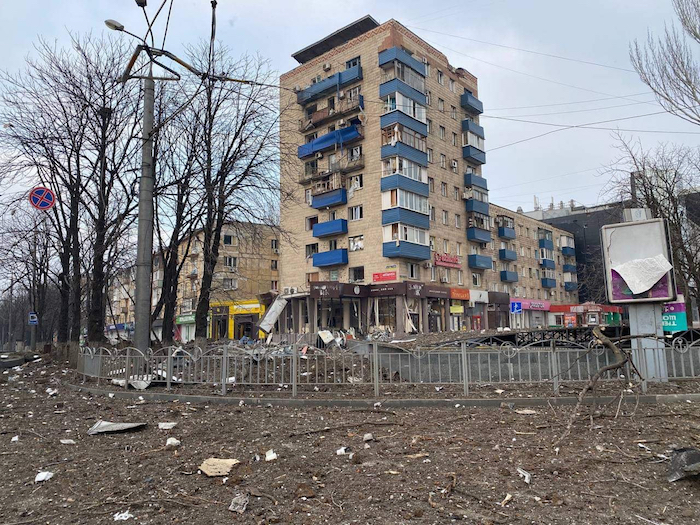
<point>295,368</point>
<point>375,368</point>
<point>554,359</point>
<point>169,367</point>
<point>465,369</point>
<point>126,369</point>
<point>224,370</point>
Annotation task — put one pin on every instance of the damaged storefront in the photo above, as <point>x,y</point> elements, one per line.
<point>529,313</point>
<point>499,310</point>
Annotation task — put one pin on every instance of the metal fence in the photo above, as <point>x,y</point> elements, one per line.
<point>381,365</point>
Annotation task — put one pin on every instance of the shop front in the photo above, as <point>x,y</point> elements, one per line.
<point>235,320</point>
<point>438,303</point>
<point>529,313</point>
<point>184,328</point>
<point>476,316</point>
<point>459,304</point>
<point>498,310</point>
<point>586,314</point>
<point>337,306</point>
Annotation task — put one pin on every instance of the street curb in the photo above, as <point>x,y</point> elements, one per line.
<point>395,403</point>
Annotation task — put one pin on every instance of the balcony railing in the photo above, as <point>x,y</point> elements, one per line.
<point>509,277</point>
<point>569,251</point>
<point>472,104</point>
<point>571,286</point>
<point>342,107</point>
<point>507,255</point>
<point>504,232</point>
<point>334,139</point>
<point>332,83</point>
<point>343,166</point>
<point>549,283</point>
<point>547,263</point>
<point>479,262</point>
<point>335,181</point>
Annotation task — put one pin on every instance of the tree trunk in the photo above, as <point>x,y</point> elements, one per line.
<point>75,256</point>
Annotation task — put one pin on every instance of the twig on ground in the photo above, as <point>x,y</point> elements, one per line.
<point>374,411</point>
<point>341,427</point>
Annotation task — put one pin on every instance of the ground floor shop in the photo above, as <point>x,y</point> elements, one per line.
<point>586,314</point>
<point>529,313</point>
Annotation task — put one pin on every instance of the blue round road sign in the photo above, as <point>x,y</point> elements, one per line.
<point>42,198</point>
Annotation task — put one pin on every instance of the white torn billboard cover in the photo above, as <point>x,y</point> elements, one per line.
<point>638,262</point>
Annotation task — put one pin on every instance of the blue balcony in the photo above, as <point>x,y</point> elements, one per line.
<point>336,138</point>
<point>405,151</point>
<point>329,199</point>
<point>328,228</point>
<point>547,244</point>
<point>569,268</point>
<point>472,104</point>
<point>547,263</point>
<point>398,181</point>
<point>509,277</point>
<point>478,235</point>
<point>507,255</point>
<point>399,117</point>
<point>506,233</point>
<point>404,216</point>
<point>479,262</point>
<point>570,286</point>
<point>473,127</point>
<point>472,179</point>
<point>406,250</point>
<point>397,85</point>
<point>331,258</point>
<point>396,53</point>
<point>568,251</point>
<point>473,154</point>
<point>549,283</point>
<point>332,83</point>
<point>478,206</point>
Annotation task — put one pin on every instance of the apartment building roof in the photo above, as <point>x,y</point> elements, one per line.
<point>339,37</point>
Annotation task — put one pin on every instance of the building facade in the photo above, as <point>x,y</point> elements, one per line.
<point>247,268</point>
<point>391,226</point>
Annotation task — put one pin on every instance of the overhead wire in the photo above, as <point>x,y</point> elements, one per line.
<point>570,103</point>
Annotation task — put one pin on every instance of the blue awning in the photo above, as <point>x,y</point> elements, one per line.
<point>334,138</point>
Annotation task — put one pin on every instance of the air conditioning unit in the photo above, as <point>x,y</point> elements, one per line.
<point>293,290</point>
<point>427,265</point>
<point>327,66</point>
<point>552,293</point>
<point>341,94</point>
<point>285,290</point>
<point>276,250</point>
<point>467,193</point>
<point>319,155</point>
<point>341,122</point>
<point>444,280</point>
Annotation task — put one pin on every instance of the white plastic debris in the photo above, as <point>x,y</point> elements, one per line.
<point>527,477</point>
<point>499,391</point>
<point>526,412</point>
<point>15,439</point>
<point>107,426</point>
<point>43,476</point>
<point>377,405</point>
<point>368,437</point>
<point>119,382</point>
<point>111,395</point>
<point>67,442</point>
<point>167,425</point>
<point>51,391</point>
<point>239,503</point>
<point>342,451</point>
<point>270,455</point>
<point>438,388</point>
<point>241,403</point>
<point>172,443</point>
<point>123,516</point>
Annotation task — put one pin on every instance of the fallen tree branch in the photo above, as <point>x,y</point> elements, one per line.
<point>341,427</point>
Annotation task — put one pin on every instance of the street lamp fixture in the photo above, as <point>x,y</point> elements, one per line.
<point>114,25</point>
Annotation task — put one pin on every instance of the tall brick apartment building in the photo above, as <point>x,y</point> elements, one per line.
<point>391,226</point>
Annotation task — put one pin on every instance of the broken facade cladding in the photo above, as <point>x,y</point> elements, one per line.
<point>392,228</point>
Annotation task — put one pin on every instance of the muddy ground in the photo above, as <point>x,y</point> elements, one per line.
<point>423,466</point>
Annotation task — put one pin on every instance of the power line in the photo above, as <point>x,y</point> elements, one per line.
<point>570,103</point>
<point>577,110</point>
<point>559,57</point>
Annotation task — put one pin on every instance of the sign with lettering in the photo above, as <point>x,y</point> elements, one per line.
<point>447,260</point>
<point>325,290</point>
<point>460,293</point>
<point>383,276</point>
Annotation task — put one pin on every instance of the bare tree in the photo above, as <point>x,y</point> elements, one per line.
<point>667,65</point>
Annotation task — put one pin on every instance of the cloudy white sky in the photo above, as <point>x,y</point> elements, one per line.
<point>561,166</point>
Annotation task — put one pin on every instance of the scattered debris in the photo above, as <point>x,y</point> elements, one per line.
<point>417,456</point>
<point>172,444</point>
<point>67,442</point>
<point>14,439</point>
<point>685,463</point>
<point>43,476</point>
<point>377,405</point>
<point>51,391</point>
<point>111,395</point>
<point>342,451</point>
<point>304,490</point>
<point>167,425</point>
<point>507,406</point>
<point>239,503</point>
<point>270,455</point>
<point>392,472</point>
<point>213,467</point>
<point>438,388</point>
<point>102,427</point>
<point>526,412</point>
<point>527,477</point>
<point>119,382</point>
<point>368,437</point>
<point>506,500</point>
<point>123,516</point>
<point>499,391</point>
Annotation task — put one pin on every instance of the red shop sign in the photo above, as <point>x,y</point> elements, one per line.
<point>383,276</point>
<point>447,260</point>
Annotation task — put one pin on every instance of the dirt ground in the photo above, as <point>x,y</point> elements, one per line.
<point>423,465</point>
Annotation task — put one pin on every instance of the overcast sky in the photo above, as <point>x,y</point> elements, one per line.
<point>563,166</point>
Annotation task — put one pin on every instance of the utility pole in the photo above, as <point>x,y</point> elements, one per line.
<point>144,249</point>
<point>9,320</point>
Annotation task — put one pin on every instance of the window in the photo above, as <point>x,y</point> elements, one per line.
<point>476,279</point>
<point>333,275</point>
<point>355,182</point>
<point>274,244</point>
<point>440,78</point>
<point>332,245</point>
<point>353,94</point>
<point>433,273</point>
<point>456,192</point>
<point>311,249</point>
<point>308,197</point>
<point>408,200</point>
<point>432,243</point>
<point>228,240</point>
<point>441,105</point>
<point>432,213</point>
<point>454,138</point>
<point>446,275</point>
<point>429,98</point>
<point>230,283</point>
<point>352,62</point>
<point>452,85</point>
<point>442,132</point>
<point>458,220</point>
<point>413,271</point>
<point>445,246</point>
<point>475,249</point>
<point>445,217</point>
<point>274,285</point>
<point>356,274</point>
<point>522,251</point>
<point>443,189</point>
<point>403,232</point>
<point>455,166</point>
<point>310,221</point>
<point>231,262</point>
<point>478,220</point>
<point>427,69</point>
<point>430,126</point>
<point>430,156</point>
<point>443,161</point>
<point>472,139</point>
<point>431,184</point>
<point>312,277</point>
<point>311,137</point>
<point>404,167</point>
<point>273,264</point>
<point>399,133</point>
<point>459,277</point>
<point>355,213</point>
<point>404,104</point>
<point>356,243</point>
<point>453,113</point>
<point>332,215</point>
